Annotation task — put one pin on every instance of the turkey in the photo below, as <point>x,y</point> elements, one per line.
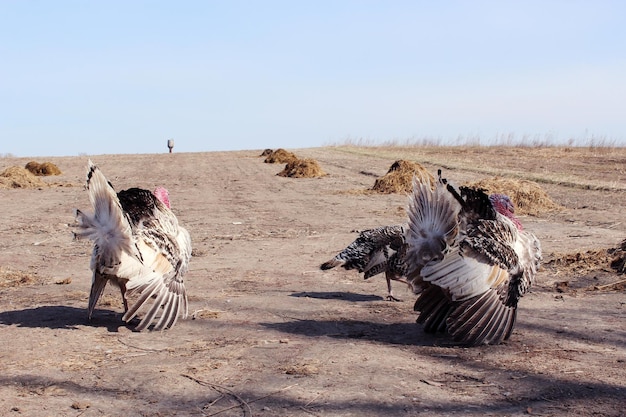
<point>375,251</point>
<point>470,260</point>
<point>139,247</point>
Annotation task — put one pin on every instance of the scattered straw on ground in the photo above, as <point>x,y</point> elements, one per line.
<point>43,169</point>
<point>619,258</point>
<point>306,369</point>
<point>12,278</point>
<point>528,196</point>
<point>111,300</point>
<point>302,168</point>
<point>399,178</point>
<point>18,177</point>
<point>579,262</point>
<point>280,156</point>
<point>583,262</point>
<point>590,270</point>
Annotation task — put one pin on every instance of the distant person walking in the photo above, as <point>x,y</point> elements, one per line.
<point>170,144</point>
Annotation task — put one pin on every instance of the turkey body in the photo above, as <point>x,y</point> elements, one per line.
<point>469,261</point>
<point>375,251</point>
<point>140,247</point>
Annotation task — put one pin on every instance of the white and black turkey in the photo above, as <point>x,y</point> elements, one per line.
<point>375,251</point>
<point>138,246</point>
<point>469,260</point>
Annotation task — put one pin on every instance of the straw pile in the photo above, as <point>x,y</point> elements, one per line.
<point>399,178</point>
<point>528,197</point>
<point>43,169</point>
<point>18,177</point>
<point>280,156</point>
<point>302,168</point>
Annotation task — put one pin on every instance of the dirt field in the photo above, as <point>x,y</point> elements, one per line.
<point>272,335</point>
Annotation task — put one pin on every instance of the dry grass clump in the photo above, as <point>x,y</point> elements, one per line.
<point>11,278</point>
<point>280,156</point>
<point>18,177</point>
<point>528,197</point>
<point>302,168</point>
<point>399,178</point>
<point>619,258</point>
<point>43,169</point>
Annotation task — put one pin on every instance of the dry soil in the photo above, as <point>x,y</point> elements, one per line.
<point>270,334</point>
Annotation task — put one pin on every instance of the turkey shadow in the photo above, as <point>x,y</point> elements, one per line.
<point>340,295</point>
<point>61,317</point>
<point>390,333</point>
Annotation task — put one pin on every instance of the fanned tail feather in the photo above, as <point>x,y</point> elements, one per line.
<point>107,227</point>
<point>433,222</point>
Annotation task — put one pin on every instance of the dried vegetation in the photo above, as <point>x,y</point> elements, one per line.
<point>528,196</point>
<point>13,278</point>
<point>43,169</point>
<point>18,177</point>
<point>399,178</point>
<point>302,168</point>
<point>280,156</point>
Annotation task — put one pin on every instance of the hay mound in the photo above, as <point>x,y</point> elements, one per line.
<point>528,197</point>
<point>399,178</point>
<point>18,177</point>
<point>302,168</point>
<point>43,169</point>
<point>266,152</point>
<point>280,156</point>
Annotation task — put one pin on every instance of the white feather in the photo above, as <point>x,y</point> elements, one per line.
<point>463,277</point>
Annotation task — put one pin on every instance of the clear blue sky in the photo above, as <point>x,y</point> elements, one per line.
<point>92,77</point>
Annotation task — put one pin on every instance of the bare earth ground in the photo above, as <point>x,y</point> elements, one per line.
<point>271,334</point>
